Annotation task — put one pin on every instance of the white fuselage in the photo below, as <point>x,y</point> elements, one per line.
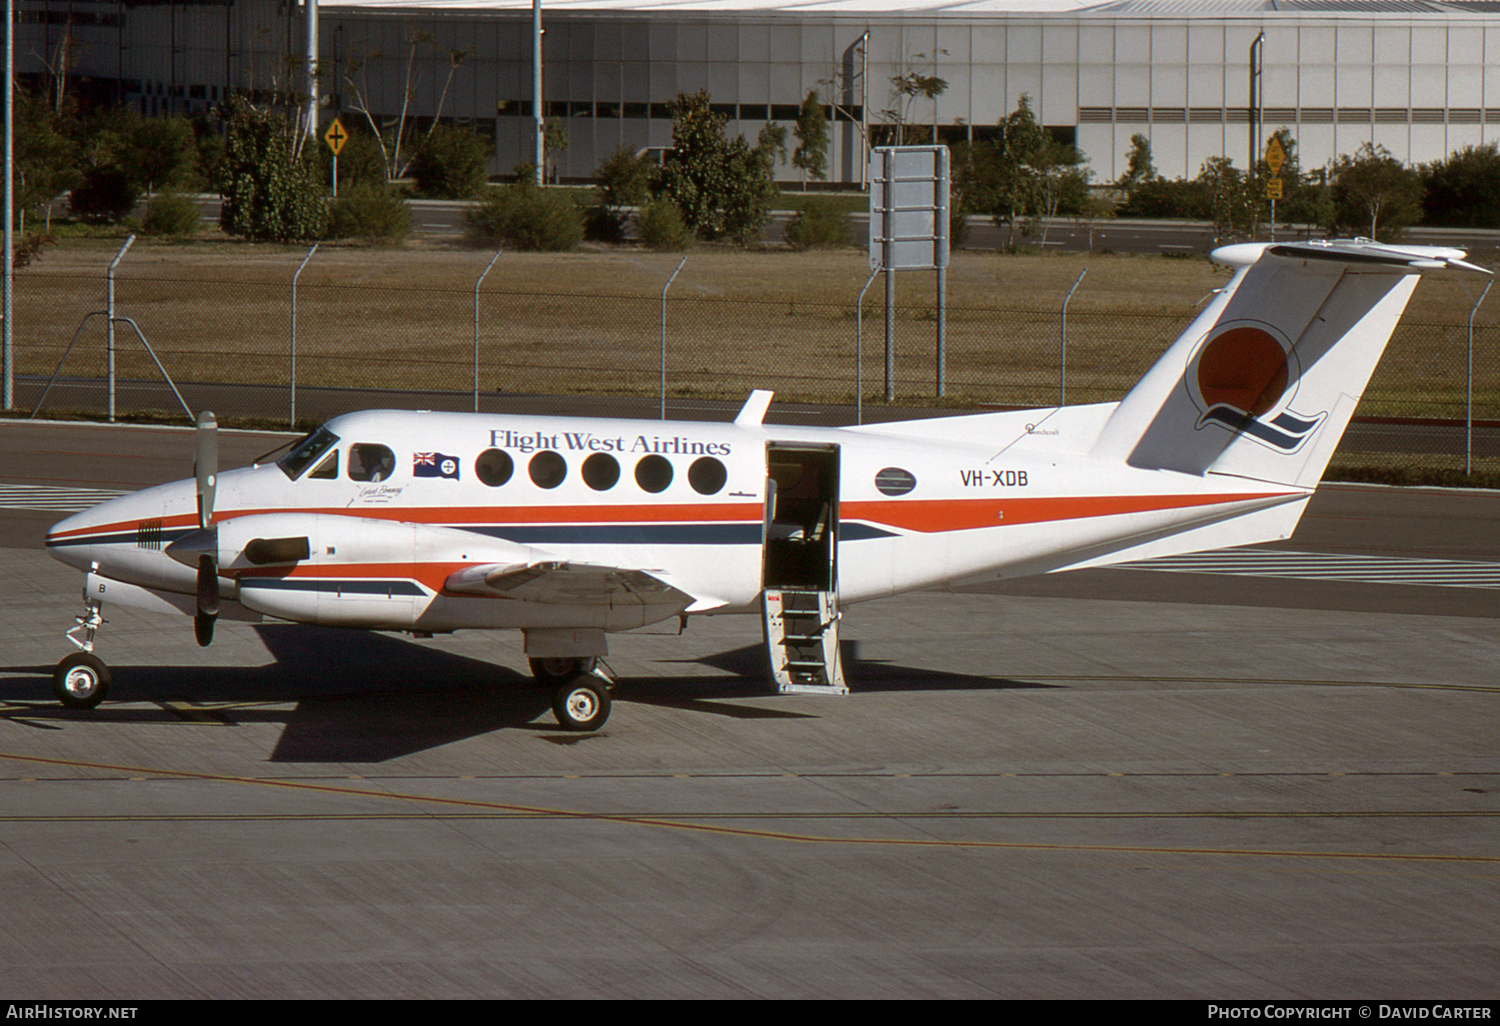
<point>399,505</point>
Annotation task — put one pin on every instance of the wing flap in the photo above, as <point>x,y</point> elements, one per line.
<point>572,584</point>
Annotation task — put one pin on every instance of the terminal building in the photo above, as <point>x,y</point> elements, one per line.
<point>1198,78</point>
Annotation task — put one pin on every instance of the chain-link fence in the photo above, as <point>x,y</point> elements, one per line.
<point>605,323</point>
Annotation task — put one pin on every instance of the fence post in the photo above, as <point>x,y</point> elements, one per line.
<point>1469,389</point>
<point>1062,366</point>
<point>109,313</point>
<point>476,324</point>
<point>664,337</point>
<point>292,416</point>
<point>859,345</point>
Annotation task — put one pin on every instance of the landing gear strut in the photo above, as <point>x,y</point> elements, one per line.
<point>580,690</point>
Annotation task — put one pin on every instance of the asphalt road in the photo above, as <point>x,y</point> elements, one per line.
<point>1111,784</point>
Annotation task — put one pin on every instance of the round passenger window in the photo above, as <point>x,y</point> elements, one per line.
<point>895,481</point>
<point>494,467</point>
<point>707,475</point>
<point>547,469</point>
<point>600,471</point>
<point>653,473</point>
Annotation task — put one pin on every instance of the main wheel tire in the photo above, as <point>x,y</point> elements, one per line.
<point>582,704</point>
<point>81,681</point>
<point>556,672</point>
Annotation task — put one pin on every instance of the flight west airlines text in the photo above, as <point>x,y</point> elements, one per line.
<point>526,442</point>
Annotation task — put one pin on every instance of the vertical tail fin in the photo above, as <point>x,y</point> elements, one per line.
<point>1264,382</point>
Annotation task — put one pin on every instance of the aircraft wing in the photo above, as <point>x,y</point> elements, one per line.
<point>572,584</point>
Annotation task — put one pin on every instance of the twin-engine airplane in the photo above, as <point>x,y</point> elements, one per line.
<point>572,529</point>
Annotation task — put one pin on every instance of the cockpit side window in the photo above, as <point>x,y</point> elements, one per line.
<point>328,470</point>
<point>370,461</point>
<point>306,452</point>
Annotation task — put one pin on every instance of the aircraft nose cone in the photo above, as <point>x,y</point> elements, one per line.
<point>74,540</point>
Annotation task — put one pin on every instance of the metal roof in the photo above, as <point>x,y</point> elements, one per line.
<point>898,8</point>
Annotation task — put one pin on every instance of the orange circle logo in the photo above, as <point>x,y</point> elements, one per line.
<point>1244,368</point>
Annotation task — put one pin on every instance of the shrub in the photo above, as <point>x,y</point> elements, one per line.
<point>659,226</point>
<point>525,217</point>
<point>368,211</point>
<point>105,196</point>
<point>603,224</point>
<point>820,224</point>
<point>1161,197</point>
<point>171,213</point>
<point>452,163</point>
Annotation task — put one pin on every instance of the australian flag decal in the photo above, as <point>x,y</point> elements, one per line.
<point>434,464</point>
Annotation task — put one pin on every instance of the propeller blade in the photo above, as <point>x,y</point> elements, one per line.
<point>208,600</point>
<point>203,629</point>
<point>206,466</point>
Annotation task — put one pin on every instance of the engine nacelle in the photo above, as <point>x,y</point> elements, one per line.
<point>324,568</point>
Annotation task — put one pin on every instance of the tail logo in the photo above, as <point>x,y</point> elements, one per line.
<point>1244,379</point>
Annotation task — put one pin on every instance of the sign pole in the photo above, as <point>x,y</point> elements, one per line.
<point>1275,157</point>
<point>909,197</point>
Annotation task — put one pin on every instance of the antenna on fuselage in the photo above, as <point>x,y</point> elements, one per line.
<point>754,410</point>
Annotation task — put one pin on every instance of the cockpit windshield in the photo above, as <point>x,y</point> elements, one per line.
<point>306,452</point>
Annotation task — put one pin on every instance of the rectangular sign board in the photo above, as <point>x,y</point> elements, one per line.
<point>909,188</point>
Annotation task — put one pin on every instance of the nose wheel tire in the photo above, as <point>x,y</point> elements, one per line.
<point>581,704</point>
<point>81,681</point>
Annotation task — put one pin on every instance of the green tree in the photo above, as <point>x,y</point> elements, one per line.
<point>811,130</point>
<point>1463,191</point>
<point>46,155</point>
<point>397,150</point>
<point>1018,174</point>
<point>1233,201</point>
<point>723,188</point>
<point>554,141</point>
<point>160,153</point>
<point>1138,164</point>
<point>907,87</point>
<point>270,190</point>
<point>1375,194</point>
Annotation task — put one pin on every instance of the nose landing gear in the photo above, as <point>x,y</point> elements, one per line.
<point>81,680</point>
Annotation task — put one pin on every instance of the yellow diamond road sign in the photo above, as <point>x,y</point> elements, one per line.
<point>1275,155</point>
<point>335,137</point>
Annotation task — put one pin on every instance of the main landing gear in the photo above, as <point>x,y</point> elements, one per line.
<point>580,685</point>
<point>580,690</point>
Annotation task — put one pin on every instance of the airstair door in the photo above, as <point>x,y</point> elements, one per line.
<point>799,600</point>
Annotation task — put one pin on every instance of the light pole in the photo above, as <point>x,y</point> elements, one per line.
<point>536,87</point>
<point>10,203</point>
<point>1257,53</point>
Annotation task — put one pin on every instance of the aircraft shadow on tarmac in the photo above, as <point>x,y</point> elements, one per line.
<point>369,697</point>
